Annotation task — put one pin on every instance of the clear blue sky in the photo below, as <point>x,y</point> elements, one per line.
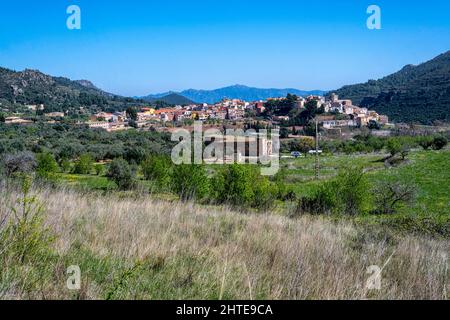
<point>136,47</point>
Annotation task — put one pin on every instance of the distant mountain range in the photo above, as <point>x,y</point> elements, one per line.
<point>414,94</point>
<point>418,94</point>
<point>169,98</point>
<point>233,92</point>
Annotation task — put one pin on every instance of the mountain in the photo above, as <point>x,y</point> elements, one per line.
<point>170,98</point>
<point>238,92</point>
<point>414,94</point>
<point>56,93</point>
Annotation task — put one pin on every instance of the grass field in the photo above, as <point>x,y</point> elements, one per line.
<point>428,170</point>
<point>149,249</point>
<point>143,245</point>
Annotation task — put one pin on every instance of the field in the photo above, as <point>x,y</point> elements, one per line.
<point>147,245</point>
<point>147,249</point>
<point>427,170</point>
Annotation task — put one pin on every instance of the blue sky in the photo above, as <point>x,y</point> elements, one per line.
<point>136,47</point>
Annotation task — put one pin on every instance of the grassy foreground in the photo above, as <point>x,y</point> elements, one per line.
<point>151,249</point>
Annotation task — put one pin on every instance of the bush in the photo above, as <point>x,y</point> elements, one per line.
<point>390,195</point>
<point>22,162</point>
<point>65,165</point>
<point>242,185</point>
<point>83,165</point>
<point>347,194</point>
<point>283,192</point>
<point>324,201</point>
<point>120,172</point>
<point>394,146</point>
<point>158,169</point>
<point>426,142</point>
<point>46,165</point>
<point>190,182</point>
<point>135,155</point>
<point>439,143</point>
<point>233,184</point>
<point>99,169</point>
<point>25,235</point>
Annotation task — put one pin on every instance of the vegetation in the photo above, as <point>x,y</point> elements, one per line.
<point>68,142</point>
<point>414,94</point>
<point>84,164</point>
<point>31,87</point>
<point>347,194</point>
<point>149,249</point>
<point>121,173</point>
<point>158,169</point>
<point>46,165</point>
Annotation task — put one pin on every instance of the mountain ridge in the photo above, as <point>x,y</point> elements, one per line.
<point>237,91</point>
<point>416,93</point>
<point>30,87</point>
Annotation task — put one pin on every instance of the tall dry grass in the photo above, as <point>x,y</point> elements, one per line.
<point>145,249</point>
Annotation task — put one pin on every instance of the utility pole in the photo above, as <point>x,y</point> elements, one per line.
<point>317,149</point>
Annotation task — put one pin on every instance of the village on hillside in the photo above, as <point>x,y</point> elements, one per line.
<point>332,114</point>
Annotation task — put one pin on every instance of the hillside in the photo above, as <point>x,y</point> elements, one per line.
<point>56,93</point>
<point>237,92</point>
<point>170,98</point>
<point>414,94</point>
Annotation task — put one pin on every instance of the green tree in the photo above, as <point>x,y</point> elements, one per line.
<point>346,194</point>
<point>190,181</point>
<point>158,169</point>
<point>46,165</point>
<point>243,185</point>
<point>120,172</point>
<point>99,169</point>
<point>394,146</point>
<point>65,165</point>
<point>234,185</point>
<point>2,118</point>
<point>83,165</point>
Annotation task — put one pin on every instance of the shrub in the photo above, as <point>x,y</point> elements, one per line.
<point>242,185</point>
<point>158,169</point>
<point>83,165</point>
<point>390,195</point>
<point>120,172</point>
<point>233,184</point>
<point>190,182</point>
<point>65,165</point>
<point>324,201</point>
<point>135,155</point>
<point>352,191</point>
<point>426,142</point>
<point>439,143</point>
<point>346,194</point>
<point>264,193</point>
<point>22,162</point>
<point>394,146</point>
<point>46,165</point>
<point>25,235</point>
<point>99,169</point>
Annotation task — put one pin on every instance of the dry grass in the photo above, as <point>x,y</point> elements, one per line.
<point>144,249</point>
